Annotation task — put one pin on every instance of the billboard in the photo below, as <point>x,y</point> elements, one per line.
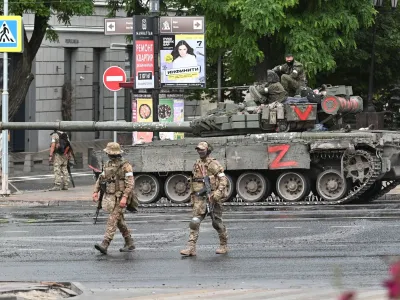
<point>182,60</point>
<point>143,52</point>
<point>171,110</point>
<point>142,111</point>
<point>144,64</point>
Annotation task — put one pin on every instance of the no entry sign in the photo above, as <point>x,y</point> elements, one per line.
<point>112,77</point>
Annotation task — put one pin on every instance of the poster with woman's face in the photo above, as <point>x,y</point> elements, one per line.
<point>182,60</point>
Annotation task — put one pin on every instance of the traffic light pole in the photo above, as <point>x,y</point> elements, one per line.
<point>4,142</point>
<point>155,94</point>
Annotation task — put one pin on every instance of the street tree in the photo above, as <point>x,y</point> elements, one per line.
<point>43,12</point>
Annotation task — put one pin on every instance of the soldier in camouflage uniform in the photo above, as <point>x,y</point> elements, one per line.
<point>293,77</point>
<point>118,175</point>
<point>60,162</point>
<point>207,166</point>
<point>270,92</point>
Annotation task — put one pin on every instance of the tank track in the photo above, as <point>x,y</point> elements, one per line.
<point>390,185</point>
<point>352,195</point>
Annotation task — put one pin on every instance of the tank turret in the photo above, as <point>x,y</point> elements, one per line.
<point>314,110</point>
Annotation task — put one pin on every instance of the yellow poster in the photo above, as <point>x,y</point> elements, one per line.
<point>144,114</point>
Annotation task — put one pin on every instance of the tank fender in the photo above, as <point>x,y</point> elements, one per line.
<point>332,145</point>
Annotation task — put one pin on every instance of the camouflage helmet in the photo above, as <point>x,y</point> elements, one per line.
<point>202,146</point>
<point>113,149</point>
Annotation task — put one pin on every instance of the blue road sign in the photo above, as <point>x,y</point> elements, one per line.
<point>11,34</point>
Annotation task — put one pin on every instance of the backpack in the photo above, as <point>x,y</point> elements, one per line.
<point>64,142</point>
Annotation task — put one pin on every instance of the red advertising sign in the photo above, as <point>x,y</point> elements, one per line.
<point>112,77</point>
<point>144,64</point>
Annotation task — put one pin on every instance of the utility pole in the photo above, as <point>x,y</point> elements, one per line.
<point>155,93</point>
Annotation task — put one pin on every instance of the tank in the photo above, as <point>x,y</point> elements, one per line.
<point>293,153</point>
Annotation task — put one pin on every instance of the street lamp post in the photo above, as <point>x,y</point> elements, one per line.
<point>370,106</point>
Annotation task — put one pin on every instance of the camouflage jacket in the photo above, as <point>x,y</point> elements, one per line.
<point>118,174</point>
<point>296,71</point>
<point>276,93</point>
<point>212,168</point>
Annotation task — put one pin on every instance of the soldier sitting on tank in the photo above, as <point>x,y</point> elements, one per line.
<point>292,75</point>
<point>270,92</point>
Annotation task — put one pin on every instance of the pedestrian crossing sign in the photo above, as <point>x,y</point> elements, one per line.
<point>11,34</point>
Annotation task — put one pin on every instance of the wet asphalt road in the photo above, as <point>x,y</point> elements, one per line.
<point>56,244</point>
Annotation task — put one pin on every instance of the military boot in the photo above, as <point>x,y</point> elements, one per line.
<point>223,241</point>
<point>55,188</point>
<point>103,246</point>
<point>190,250</point>
<point>65,188</point>
<point>129,246</point>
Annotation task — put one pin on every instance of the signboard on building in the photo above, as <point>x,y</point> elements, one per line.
<point>182,52</point>
<point>143,52</point>
<point>118,26</point>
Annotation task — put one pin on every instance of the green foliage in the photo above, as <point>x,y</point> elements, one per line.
<point>353,64</point>
<point>42,9</point>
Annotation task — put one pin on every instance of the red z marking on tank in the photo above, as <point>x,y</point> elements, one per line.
<point>277,163</point>
<point>303,115</point>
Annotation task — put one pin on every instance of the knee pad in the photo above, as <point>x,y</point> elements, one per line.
<point>195,223</point>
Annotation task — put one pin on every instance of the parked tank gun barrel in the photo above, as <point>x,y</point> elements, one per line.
<point>98,126</point>
<point>333,105</point>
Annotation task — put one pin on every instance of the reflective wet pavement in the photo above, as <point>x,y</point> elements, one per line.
<point>268,250</point>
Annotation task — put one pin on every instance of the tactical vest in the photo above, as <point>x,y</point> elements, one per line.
<point>115,177</point>
<point>198,176</point>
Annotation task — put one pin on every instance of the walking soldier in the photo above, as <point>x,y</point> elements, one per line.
<point>118,177</point>
<point>207,168</point>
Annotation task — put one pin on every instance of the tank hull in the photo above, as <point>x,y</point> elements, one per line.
<point>280,168</point>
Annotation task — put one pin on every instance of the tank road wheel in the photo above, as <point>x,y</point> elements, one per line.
<point>331,186</point>
<point>177,188</point>
<point>292,186</point>
<point>147,188</point>
<point>230,188</point>
<point>252,187</point>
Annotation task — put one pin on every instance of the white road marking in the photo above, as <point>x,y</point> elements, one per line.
<point>288,227</point>
<point>31,249</point>
<point>41,177</point>
<point>172,229</point>
<point>15,231</point>
<point>344,226</point>
<point>68,231</point>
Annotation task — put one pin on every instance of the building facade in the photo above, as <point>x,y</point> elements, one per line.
<point>68,82</point>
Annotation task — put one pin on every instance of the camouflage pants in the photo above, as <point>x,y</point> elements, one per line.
<point>116,220</point>
<point>199,211</point>
<point>291,85</point>
<point>60,170</point>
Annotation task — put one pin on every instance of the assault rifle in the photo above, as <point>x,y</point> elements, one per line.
<point>101,195</point>
<point>69,172</point>
<point>207,191</point>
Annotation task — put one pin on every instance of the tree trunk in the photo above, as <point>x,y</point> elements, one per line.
<point>22,76</point>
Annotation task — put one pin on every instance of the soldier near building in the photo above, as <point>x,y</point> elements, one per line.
<point>207,166</point>
<point>60,153</point>
<point>292,74</point>
<point>119,183</point>
<point>271,91</point>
